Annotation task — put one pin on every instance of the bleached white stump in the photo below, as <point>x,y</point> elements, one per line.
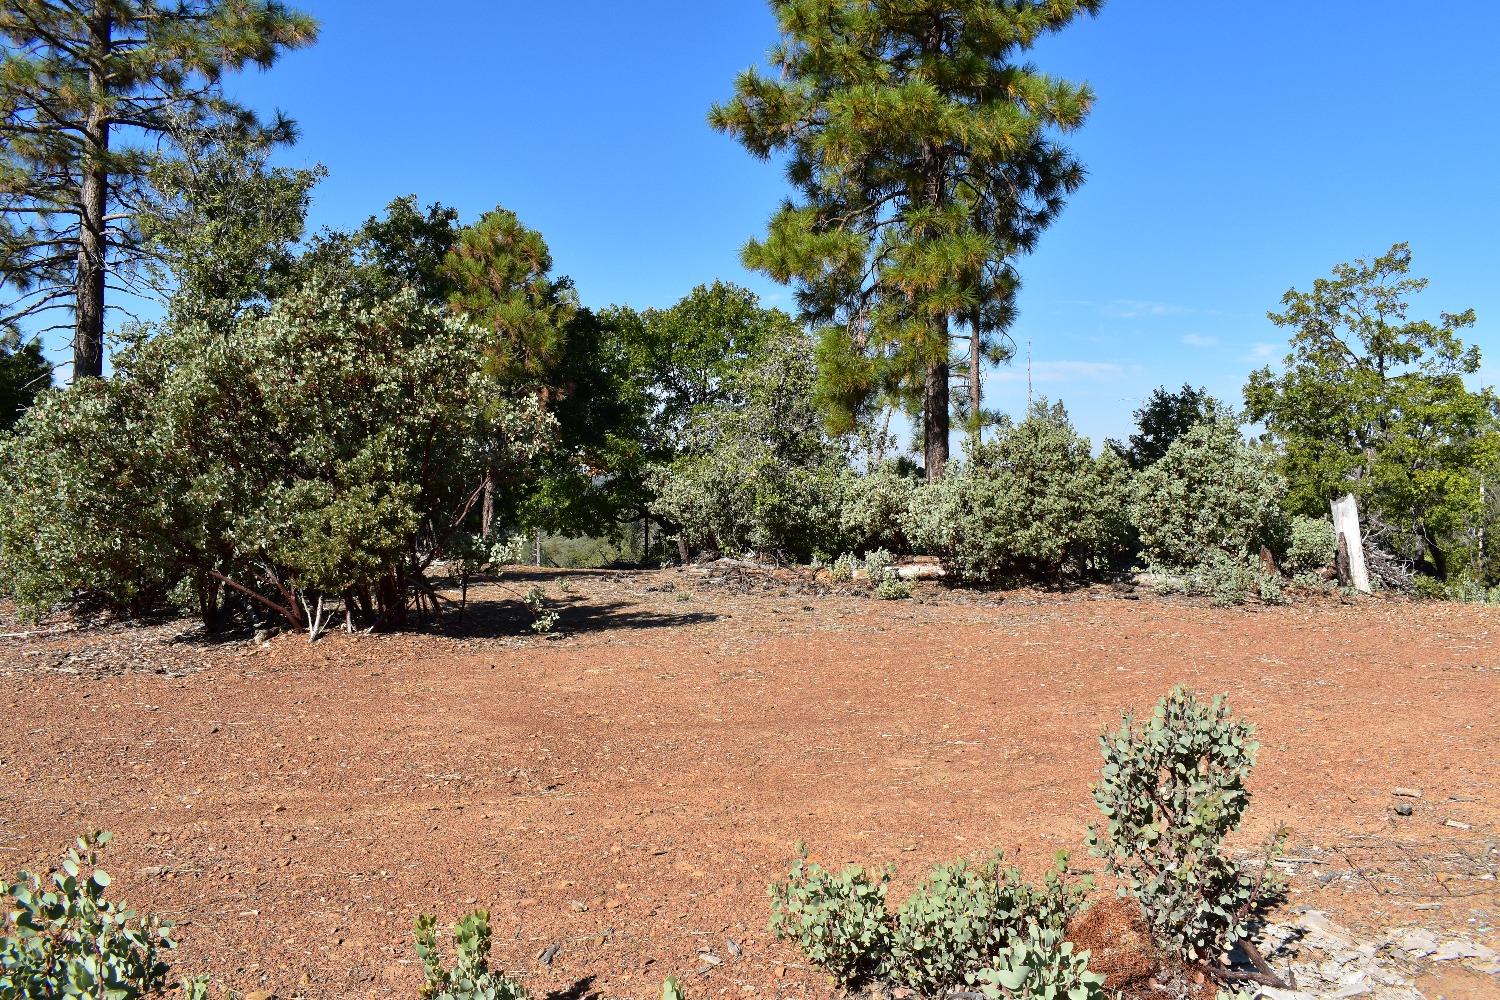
<point>1346,532</point>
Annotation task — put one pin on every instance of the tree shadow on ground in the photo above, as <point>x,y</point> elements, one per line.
<point>490,618</point>
<point>581,990</point>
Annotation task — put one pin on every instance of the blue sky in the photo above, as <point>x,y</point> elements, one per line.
<point>1235,150</point>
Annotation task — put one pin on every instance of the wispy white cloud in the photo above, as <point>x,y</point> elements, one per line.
<point>1141,309</point>
<point>1261,351</point>
<point>1060,371</point>
<point>1200,340</point>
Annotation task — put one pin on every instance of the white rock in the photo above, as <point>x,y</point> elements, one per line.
<point>1418,941</point>
<point>1450,950</point>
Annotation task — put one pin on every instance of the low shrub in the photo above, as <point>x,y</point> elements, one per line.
<point>838,919</point>
<point>877,564</point>
<point>964,917</point>
<point>842,570</point>
<point>1041,966</point>
<point>1171,789</point>
<point>956,924</point>
<point>543,618</point>
<point>1211,493</point>
<point>875,505</point>
<point>470,977</point>
<point>1030,505</point>
<point>1311,545</point>
<point>63,939</point>
<point>892,588</point>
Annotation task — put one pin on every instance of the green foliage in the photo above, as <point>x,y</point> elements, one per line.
<point>890,587</point>
<point>965,916</point>
<point>839,920</point>
<point>1041,966</point>
<point>922,144</point>
<point>1028,505</point>
<point>63,939</point>
<point>1171,789</point>
<point>91,94</point>
<point>500,275</point>
<point>842,570</point>
<point>1376,404</point>
<point>1311,544</point>
<point>221,223</point>
<point>756,471</point>
<point>323,448</point>
<point>470,978</point>
<point>544,619</point>
<point>1211,494</point>
<point>958,922</point>
<point>24,375</point>
<point>671,989</point>
<point>878,563</point>
<point>875,505</point>
<point>1164,418</point>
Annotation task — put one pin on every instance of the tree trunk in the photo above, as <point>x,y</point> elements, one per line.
<point>88,281</point>
<point>935,417</point>
<point>487,511</point>
<point>1351,546</point>
<point>976,385</point>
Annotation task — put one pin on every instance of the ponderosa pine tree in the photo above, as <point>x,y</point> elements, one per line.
<point>924,155</point>
<point>499,275</point>
<point>78,76</point>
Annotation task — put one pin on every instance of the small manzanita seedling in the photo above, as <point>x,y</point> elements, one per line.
<point>62,938</point>
<point>1171,789</point>
<point>470,977</point>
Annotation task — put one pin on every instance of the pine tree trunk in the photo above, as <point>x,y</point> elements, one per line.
<point>88,286</point>
<point>935,416</point>
<point>976,386</point>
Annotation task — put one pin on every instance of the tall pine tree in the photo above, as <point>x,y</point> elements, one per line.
<point>88,90</point>
<point>924,155</point>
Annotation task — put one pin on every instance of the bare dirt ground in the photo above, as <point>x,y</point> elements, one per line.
<point>628,789</point>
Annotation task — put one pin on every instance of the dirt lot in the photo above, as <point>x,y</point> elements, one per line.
<point>629,788</point>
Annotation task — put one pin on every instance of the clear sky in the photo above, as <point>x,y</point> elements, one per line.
<point>1235,150</point>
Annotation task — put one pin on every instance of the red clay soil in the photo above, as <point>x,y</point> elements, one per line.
<point>629,789</point>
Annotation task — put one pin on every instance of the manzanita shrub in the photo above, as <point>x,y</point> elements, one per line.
<point>1171,789</point>
<point>963,918</point>
<point>470,978</point>
<point>956,925</point>
<point>838,919</point>
<point>1040,965</point>
<point>63,939</point>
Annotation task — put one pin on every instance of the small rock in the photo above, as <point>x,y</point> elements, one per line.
<point>1271,993</point>
<point>1407,793</point>
<point>709,958</point>
<point>1450,950</point>
<point>260,995</point>
<point>1418,941</point>
<point>1401,809</point>
<point>1455,824</point>
<point>549,953</point>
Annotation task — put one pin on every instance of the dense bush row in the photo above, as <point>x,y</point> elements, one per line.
<point>319,432</point>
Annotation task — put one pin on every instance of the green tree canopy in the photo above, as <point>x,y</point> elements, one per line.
<point>1375,403</point>
<point>24,374</point>
<point>88,91</point>
<point>499,274</point>
<point>1164,418</point>
<point>922,151</point>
